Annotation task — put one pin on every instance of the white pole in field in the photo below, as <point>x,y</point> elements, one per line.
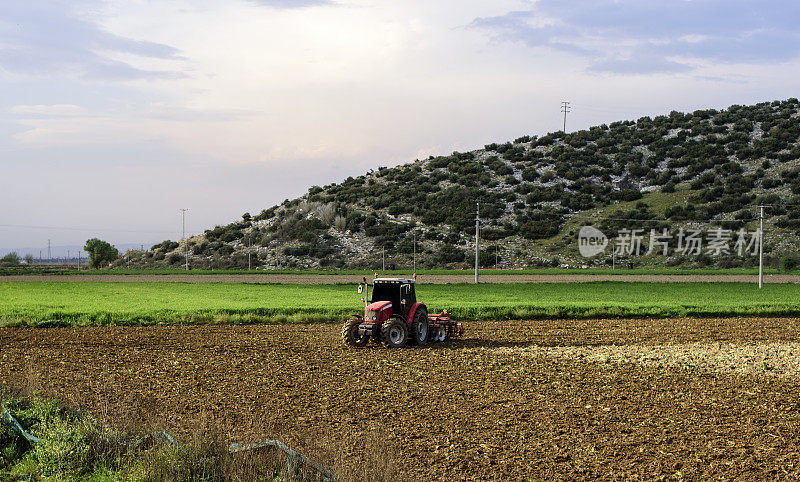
<point>383,257</point>
<point>477,240</point>
<point>415,252</point>
<point>183,235</point>
<point>761,251</point>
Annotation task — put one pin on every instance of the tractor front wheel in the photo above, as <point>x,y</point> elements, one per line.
<point>350,334</point>
<point>394,333</point>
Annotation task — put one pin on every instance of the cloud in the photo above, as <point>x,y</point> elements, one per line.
<point>48,37</point>
<point>60,110</point>
<point>640,37</point>
<point>289,4</point>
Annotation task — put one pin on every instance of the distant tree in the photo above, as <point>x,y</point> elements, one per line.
<point>29,259</point>
<point>11,259</point>
<point>100,252</point>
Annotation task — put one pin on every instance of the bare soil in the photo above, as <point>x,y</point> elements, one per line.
<point>479,408</point>
<point>769,359</point>
<point>432,279</point>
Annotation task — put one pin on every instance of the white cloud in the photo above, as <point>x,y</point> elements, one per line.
<point>68,110</point>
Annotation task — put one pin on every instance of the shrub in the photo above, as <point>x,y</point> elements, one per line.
<point>790,263</point>
<point>450,254</point>
<point>175,258</point>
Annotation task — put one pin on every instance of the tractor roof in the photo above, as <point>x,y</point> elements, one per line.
<point>394,280</point>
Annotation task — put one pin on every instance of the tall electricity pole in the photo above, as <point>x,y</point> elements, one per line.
<point>48,250</point>
<point>383,257</point>
<point>761,251</point>
<point>565,108</point>
<point>415,252</point>
<point>183,235</point>
<point>477,239</point>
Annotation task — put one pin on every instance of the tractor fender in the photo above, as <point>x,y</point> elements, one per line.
<point>413,311</point>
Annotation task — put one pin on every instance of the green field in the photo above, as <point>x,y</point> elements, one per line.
<point>84,303</point>
<point>37,270</point>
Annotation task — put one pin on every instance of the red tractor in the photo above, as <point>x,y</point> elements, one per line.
<point>394,316</point>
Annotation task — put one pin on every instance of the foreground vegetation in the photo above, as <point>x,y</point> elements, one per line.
<point>135,303</point>
<point>69,444</point>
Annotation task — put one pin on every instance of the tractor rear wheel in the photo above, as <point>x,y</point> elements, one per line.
<point>350,334</point>
<point>419,327</point>
<point>394,332</point>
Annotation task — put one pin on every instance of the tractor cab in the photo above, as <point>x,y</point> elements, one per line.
<point>398,291</point>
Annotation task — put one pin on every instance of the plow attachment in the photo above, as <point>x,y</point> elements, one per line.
<point>442,327</point>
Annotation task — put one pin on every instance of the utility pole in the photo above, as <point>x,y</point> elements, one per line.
<point>383,257</point>
<point>48,250</point>
<point>761,251</point>
<point>496,249</point>
<point>565,108</point>
<point>415,252</point>
<point>249,245</point>
<point>477,239</point>
<point>183,235</point>
<point>68,257</point>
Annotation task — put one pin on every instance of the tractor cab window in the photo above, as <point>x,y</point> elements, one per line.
<point>395,293</point>
<point>386,292</point>
<point>407,292</point>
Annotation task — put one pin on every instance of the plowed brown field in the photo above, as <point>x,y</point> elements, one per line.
<point>465,409</point>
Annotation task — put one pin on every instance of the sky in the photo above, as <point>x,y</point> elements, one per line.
<point>114,115</point>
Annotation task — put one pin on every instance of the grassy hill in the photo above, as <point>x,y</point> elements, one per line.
<point>706,170</point>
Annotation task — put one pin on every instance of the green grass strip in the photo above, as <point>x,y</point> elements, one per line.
<point>87,303</point>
